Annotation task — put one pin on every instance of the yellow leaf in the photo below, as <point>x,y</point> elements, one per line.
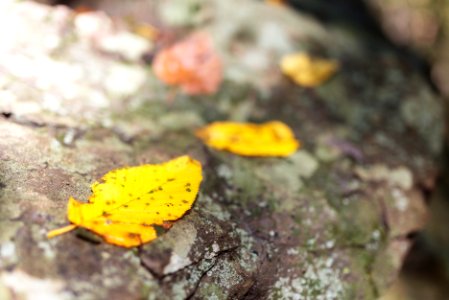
<point>308,71</point>
<point>268,139</point>
<point>147,31</point>
<point>276,2</point>
<point>129,202</point>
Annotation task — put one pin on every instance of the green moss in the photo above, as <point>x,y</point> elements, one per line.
<point>210,291</point>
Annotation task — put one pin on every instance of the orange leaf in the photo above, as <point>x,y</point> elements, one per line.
<point>268,139</point>
<point>308,71</point>
<point>81,9</point>
<point>129,202</point>
<point>191,64</point>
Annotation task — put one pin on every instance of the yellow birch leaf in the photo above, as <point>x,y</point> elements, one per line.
<point>129,202</point>
<point>308,71</point>
<point>269,139</point>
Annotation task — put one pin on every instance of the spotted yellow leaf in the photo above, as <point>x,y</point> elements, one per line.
<point>308,71</point>
<point>128,203</point>
<point>269,139</point>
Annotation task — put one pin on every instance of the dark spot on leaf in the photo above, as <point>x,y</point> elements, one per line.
<point>185,201</point>
<point>157,213</point>
<point>188,190</point>
<point>170,179</point>
<point>133,235</point>
<point>126,205</point>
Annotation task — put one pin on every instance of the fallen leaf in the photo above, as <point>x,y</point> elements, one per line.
<point>127,205</point>
<point>146,30</point>
<point>269,139</point>
<point>276,2</point>
<point>81,9</point>
<point>308,71</point>
<point>191,64</point>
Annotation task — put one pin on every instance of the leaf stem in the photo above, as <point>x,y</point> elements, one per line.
<point>59,231</point>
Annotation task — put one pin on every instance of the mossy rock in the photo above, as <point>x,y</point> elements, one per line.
<point>329,222</point>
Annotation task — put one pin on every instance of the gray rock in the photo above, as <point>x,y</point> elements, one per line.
<point>329,222</point>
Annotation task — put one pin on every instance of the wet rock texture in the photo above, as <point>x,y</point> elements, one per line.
<point>330,222</point>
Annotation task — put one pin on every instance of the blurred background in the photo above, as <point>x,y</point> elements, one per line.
<point>419,31</point>
<point>417,28</point>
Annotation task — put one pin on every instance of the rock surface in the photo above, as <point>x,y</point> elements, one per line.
<point>330,222</point>
<point>421,25</point>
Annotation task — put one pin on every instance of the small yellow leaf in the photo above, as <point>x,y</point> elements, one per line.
<point>276,2</point>
<point>146,30</point>
<point>129,202</point>
<point>268,139</point>
<point>308,71</point>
